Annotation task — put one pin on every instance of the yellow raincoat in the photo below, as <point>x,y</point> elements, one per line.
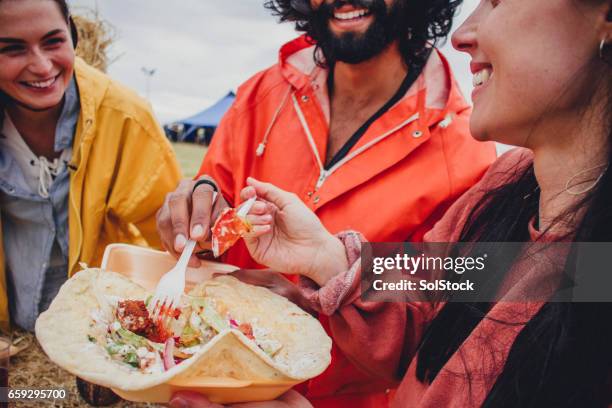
<point>122,167</point>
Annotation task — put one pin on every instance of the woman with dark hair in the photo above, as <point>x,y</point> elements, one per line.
<point>83,162</point>
<point>542,76</point>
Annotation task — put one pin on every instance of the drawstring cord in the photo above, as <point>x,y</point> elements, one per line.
<point>262,146</point>
<point>47,171</point>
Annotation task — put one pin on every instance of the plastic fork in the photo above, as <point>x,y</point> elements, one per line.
<point>246,207</point>
<point>171,287</point>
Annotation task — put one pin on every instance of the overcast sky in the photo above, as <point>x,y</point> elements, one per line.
<point>201,49</point>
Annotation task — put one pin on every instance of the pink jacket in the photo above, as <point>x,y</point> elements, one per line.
<point>392,331</point>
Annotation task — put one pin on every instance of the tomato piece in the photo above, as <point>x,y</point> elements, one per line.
<point>227,230</point>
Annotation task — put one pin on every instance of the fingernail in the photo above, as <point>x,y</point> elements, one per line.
<point>197,231</point>
<point>179,242</point>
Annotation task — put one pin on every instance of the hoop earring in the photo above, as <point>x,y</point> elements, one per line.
<point>568,188</point>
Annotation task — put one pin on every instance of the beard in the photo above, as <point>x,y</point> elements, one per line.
<point>354,48</point>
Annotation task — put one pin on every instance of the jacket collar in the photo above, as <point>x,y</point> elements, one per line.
<point>92,86</point>
<point>443,96</point>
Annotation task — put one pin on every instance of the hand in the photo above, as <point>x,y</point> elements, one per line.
<point>188,215</point>
<point>275,282</point>
<point>186,399</point>
<point>287,236</point>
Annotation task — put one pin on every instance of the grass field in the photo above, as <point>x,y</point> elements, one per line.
<point>190,157</point>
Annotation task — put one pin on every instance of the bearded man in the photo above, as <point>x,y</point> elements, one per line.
<point>362,119</point>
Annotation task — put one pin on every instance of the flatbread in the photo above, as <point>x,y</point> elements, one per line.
<point>63,334</point>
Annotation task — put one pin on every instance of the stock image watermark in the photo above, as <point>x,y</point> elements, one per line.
<point>487,272</point>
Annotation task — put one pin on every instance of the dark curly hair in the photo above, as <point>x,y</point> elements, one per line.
<point>427,23</point>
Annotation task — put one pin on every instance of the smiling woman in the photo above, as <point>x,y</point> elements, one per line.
<point>72,142</point>
<point>43,84</point>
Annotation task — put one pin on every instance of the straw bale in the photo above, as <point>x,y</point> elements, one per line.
<point>96,36</point>
<point>32,369</point>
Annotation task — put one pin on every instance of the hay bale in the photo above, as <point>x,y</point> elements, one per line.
<point>32,369</point>
<point>96,36</point>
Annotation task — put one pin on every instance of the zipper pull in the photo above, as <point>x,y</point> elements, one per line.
<point>321,179</point>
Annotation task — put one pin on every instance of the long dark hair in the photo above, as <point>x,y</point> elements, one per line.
<point>426,22</point>
<point>563,355</point>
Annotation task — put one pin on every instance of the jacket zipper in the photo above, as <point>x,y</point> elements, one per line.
<point>324,174</point>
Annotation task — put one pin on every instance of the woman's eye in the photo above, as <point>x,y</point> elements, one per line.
<point>495,3</point>
<point>53,42</point>
<point>12,49</point>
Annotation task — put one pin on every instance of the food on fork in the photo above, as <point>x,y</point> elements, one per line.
<point>229,227</point>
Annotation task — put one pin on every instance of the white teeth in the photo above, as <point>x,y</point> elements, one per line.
<point>350,15</point>
<point>482,76</point>
<point>39,84</point>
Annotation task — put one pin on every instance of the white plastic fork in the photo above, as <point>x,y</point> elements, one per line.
<point>246,207</point>
<point>171,286</point>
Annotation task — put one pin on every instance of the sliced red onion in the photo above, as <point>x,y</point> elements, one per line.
<point>234,324</point>
<point>169,354</point>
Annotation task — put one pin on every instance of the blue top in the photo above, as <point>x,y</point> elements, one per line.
<point>35,228</point>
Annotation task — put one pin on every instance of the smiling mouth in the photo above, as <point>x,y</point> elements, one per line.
<point>353,15</point>
<point>482,77</point>
<point>41,84</point>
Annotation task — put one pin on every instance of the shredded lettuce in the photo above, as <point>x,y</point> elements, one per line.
<point>128,337</point>
<point>212,318</point>
<point>189,337</point>
<point>132,359</point>
<point>113,348</point>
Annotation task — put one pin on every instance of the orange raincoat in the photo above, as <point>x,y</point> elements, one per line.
<point>394,184</point>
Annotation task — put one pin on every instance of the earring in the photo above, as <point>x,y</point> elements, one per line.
<point>602,45</point>
<point>569,188</point>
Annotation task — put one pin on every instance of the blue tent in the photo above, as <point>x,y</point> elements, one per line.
<point>208,120</point>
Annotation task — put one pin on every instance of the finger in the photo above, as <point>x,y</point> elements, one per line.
<point>194,262</point>
<point>190,399</point>
<point>257,231</point>
<point>264,404</point>
<point>270,192</point>
<point>254,220</point>
<point>263,207</point>
<point>295,400</point>
<point>202,201</point>
<point>179,214</point>
<point>247,193</point>
<point>164,228</point>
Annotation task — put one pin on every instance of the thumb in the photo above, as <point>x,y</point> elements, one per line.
<point>190,399</point>
<point>271,193</point>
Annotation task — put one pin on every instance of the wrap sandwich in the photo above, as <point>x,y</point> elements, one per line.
<point>226,333</point>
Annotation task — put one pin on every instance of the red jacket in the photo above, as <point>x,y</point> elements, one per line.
<point>394,184</point>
